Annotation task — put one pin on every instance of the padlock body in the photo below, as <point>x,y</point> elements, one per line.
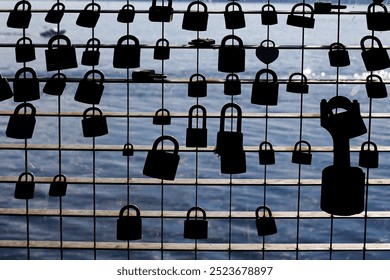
<point>54,16</point>
<point>232,87</point>
<point>88,18</point>
<point>63,57</point>
<point>269,18</point>
<point>375,59</point>
<point>348,123</point>
<point>197,88</point>
<point>128,152</point>
<point>162,119</point>
<point>5,89</point>
<point>297,87</point>
<point>369,158</point>
<point>266,157</point>
<point>26,89</point>
<point>54,86</point>
<point>196,137</point>
<point>19,19</point>
<point>300,21</point>
<point>195,21</point>
<point>90,58</point>
<point>94,126</point>
<point>24,190</point>
<point>229,141</point>
<point>126,16</point>
<point>266,226</point>
<point>231,59</point>
<point>379,21</point>
<point>160,13</point>
<point>233,162</point>
<point>265,93</point>
<point>376,90</point>
<point>58,188</point>
<point>89,92</point>
<point>127,56</point>
<point>195,229</point>
<point>339,58</point>
<point>21,126</point>
<point>161,52</point>
<point>300,157</point>
<point>161,164</point>
<point>25,53</point>
<point>234,20</point>
<point>129,228</point>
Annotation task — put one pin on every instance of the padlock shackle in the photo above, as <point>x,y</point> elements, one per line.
<point>269,41</point>
<point>127,6</point>
<point>369,78</point>
<point>94,43</point>
<point>23,106</point>
<point>61,178</point>
<point>198,3</point>
<point>93,109</point>
<point>191,112</point>
<point>23,2</point>
<point>270,8</point>
<point>57,38</point>
<point>231,37</point>
<point>93,5</point>
<point>266,71</point>
<point>128,146</point>
<point>154,3</point>
<point>303,77</point>
<point>303,5</point>
<point>25,70</point>
<point>60,6</point>
<point>93,72</point>
<point>162,40</point>
<point>196,209</point>
<point>127,38</point>
<point>264,208</point>
<point>336,45</point>
<point>162,111</point>
<point>368,144</point>
<point>166,137</point>
<point>223,114</point>
<point>197,75</point>
<point>128,207</point>
<point>26,174</point>
<point>265,144</point>
<point>373,38</point>
<point>232,75</point>
<point>228,5</point>
<point>24,39</point>
<point>371,7</point>
<point>59,75</point>
<point>299,143</point>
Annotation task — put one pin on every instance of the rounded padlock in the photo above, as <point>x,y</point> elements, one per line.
<point>56,84</point>
<point>265,225</point>
<point>127,55</point>
<point>24,189</point>
<point>338,55</point>
<point>269,15</point>
<point>26,88</point>
<point>231,58</point>
<point>374,58</point>
<point>128,150</point>
<point>375,86</point>
<point>91,53</point>
<point>55,14</point>
<point>196,228</point>
<point>234,18</point>
<point>369,158</point>
<point>266,91</point>
<point>161,50</point>
<point>299,86</point>
<point>126,14</point>
<point>196,136</point>
<point>89,16</point>
<point>129,227</point>
<point>195,20</point>
<point>20,16</point>
<point>232,85</point>
<point>299,156</point>
<point>266,153</point>
<point>198,87</point>
<point>267,53</point>
<point>58,186</point>
<point>294,19</point>
<point>162,117</point>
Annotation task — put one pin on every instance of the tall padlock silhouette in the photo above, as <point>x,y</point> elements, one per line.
<point>294,19</point>
<point>197,86</point>
<point>25,186</point>
<point>235,17</point>
<point>55,14</point>
<point>161,50</point>
<point>195,20</point>
<point>89,16</point>
<point>266,153</point>
<point>55,85</point>
<point>126,14</point>
<point>297,85</point>
<point>59,56</point>
<point>26,88</point>
<point>374,58</point>
<point>369,158</point>
<point>232,85</point>
<point>5,89</point>
<point>58,186</point>
<point>375,87</point>
<point>269,15</point>
<point>94,124</point>
<point>300,156</point>
<point>265,92</point>
<point>161,13</point>
<point>265,225</point>
<point>377,17</point>
<point>91,54</point>
<point>231,58</point>
<point>21,124</point>
<point>127,55</point>
<point>24,50</point>
<point>20,16</point>
<point>91,88</point>
<point>196,136</point>
<point>196,228</point>
<point>129,227</point>
<point>338,55</point>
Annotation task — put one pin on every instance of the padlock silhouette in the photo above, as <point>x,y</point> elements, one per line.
<point>89,16</point>
<point>195,20</point>
<point>269,15</point>
<point>161,50</point>
<point>55,14</point>
<point>90,90</point>
<point>162,117</point>
<point>267,52</point>
<point>265,225</point>
<point>231,58</point>
<point>375,87</point>
<point>299,156</point>
<point>338,55</point>
<point>129,227</point>
<point>161,13</point>
<point>297,86</point>
<point>196,136</point>
<point>198,87</point>
<point>5,89</point>
<point>55,85</point>
<point>126,14</point>
<point>20,16</point>
<point>58,186</point>
<point>265,92</point>
<point>21,124</point>
<point>232,85</point>
<point>94,125</point>
<point>128,150</point>
<point>374,58</point>
<point>369,158</point>
<point>24,188</point>
<point>91,54</point>
<point>24,50</point>
<point>60,57</point>
<point>196,228</point>
<point>26,88</point>
<point>234,18</point>
<point>161,164</point>
<point>266,153</point>
<point>127,55</point>
<point>377,21</point>
<point>303,21</point>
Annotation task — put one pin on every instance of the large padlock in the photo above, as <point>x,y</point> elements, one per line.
<point>338,55</point>
<point>129,227</point>
<point>58,186</point>
<point>24,188</point>
<point>24,50</point>
<point>265,225</point>
<point>161,13</point>
<point>196,136</point>
<point>20,18</point>
<point>267,53</point>
<point>269,15</point>
<point>300,156</point>
<point>266,153</point>
<point>196,228</point>
<point>55,85</point>
<point>5,89</point>
<point>297,86</point>
<point>161,50</point>
<point>55,14</point>
<point>162,117</point>
<point>377,21</point>
<point>89,16</point>
<point>232,85</point>
<point>234,18</point>
<point>89,90</point>
<point>231,58</point>
<point>374,58</point>
<point>128,150</point>
<point>127,55</point>
<point>195,20</point>
<point>59,57</point>
<point>369,157</point>
<point>91,54</point>
<point>21,124</point>
<point>265,92</point>
<point>294,19</point>
<point>375,86</point>
<point>126,14</point>
<point>161,164</point>
<point>26,88</point>
<point>95,124</point>
<point>198,87</point>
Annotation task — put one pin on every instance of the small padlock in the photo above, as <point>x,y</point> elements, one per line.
<point>91,54</point>
<point>195,20</point>
<point>161,50</point>
<point>299,156</point>
<point>55,85</point>
<point>5,89</point>
<point>24,188</point>
<point>129,227</point>
<point>269,16</point>
<point>369,158</point>
<point>232,85</point>
<point>58,186</point>
<point>20,18</point>
<point>161,164</point>
<point>24,50</point>
<point>89,16</point>
<point>338,55</point>
<point>162,117</point>
<point>267,53</point>
<point>128,150</point>
<point>265,225</point>
<point>265,92</point>
<point>26,89</point>
<point>198,87</point>
<point>374,58</point>
<point>55,14</point>
<point>196,136</point>
<point>59,57</point>
<point>266,153</point>
<point>234,18</point>
<point>300,20</point>
<point>21,125</point>
<point>377,21</point>
<point>375,86</point>
<point>90,91</point>
<point>231,58</point>
<point>195,228</point>
<point>94,125</point>
<point>162,13</point>
<point>126,55</point>
<point>126,14</point>
<point>299,86</point>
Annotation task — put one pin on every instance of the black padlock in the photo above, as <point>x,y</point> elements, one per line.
<point>20,18</point>
<point>367,157</point>
<point>266,153</point>
<point>234,18</point>
<point>196,228</point>
<point>300,156</point>
<point>26,88</point>
<point>297,86</point>
<point>375,86</point>
<point>196,136</point>
<point>265,92</point>
<point>89,90</point>
<point>126,14</point>
<point>94,125</point>
<point>233,162</point>
<point>24,50</point>
<point>128,150</point>
<point>21,124</point>
<point>162,117</point>
<point>161,164</point>
<point>232,85</point>
<point>374,58</point>
<point>294,19</point>
<point>161,13</point>
<point>5,89</point>
<point>269,15</point>
<point>377,21</point>
<point>265,225</point>
<point>231,58</point>
<point>161,50</point>
<point>129,227</point>
<point>338,55</point>
<point>89,16</point>
<point>198,87</point>
<point>59,57</point>
<point>24,188</point>
<point>127,55</point>
<point>55,14</point>
<point>91,54</point>
<point>58,186</point>
<point>195,20</point>
<point>267,53</point>
<point>55,85</point>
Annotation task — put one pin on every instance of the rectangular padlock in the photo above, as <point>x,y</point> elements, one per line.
<point>198,87</point>
<point>129,227</point>
<point>233,162</point>
<point>265,92</point>
<point>89,16</point>
<point>161,13</point>
<point>94,125</point>
<point>24,188</point>
<point>56,85</point>
<point>126,55</point>
<point>196,137</point>
<point>20,17</point>
<point>60,57</point>
<point>58,186</point>
<point>26,88</point>
<point>24,50</point>
<point>265,225</point>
